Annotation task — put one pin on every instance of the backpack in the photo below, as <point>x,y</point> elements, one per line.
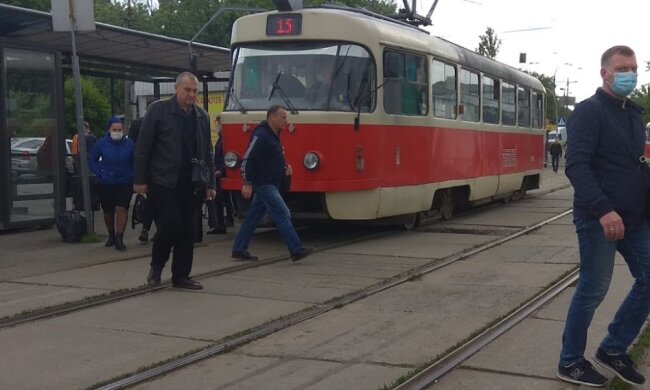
<point>142,211</point>
<point>71,225</point>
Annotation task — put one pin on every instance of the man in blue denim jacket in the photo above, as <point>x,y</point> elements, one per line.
<point>607,139</point>
<point>263,170</point>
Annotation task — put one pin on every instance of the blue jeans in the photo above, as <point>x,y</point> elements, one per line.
<point>267,198</point>
<point>596,268</point>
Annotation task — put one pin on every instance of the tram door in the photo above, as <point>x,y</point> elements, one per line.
<point>31,145</point>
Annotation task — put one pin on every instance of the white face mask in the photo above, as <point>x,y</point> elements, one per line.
<point>116,135</point>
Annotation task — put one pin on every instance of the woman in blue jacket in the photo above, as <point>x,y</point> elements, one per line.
<point>112,160</point>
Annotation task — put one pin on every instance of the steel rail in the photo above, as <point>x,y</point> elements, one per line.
<point>317,310</point>
<point>436,370</point>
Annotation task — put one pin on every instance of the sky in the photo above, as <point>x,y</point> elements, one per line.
<point>561,37</point>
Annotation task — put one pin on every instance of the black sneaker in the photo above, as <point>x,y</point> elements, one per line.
<point>621,365</point>
<point>581,372</point>
<point>302,254</point>
<point>154,276</point>
<point>243,256</point>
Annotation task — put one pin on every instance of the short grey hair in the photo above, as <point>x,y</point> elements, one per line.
<point>184,75</point>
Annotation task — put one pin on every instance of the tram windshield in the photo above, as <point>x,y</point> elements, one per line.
<point>312,76</point>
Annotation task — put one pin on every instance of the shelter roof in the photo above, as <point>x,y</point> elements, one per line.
<point>113,50</point>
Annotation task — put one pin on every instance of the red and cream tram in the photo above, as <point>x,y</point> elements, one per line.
<point>386,119</point>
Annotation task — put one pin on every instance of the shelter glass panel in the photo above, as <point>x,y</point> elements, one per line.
<point>490,100</point>
<point>508,104</point>
<point>469,95</point>
<point>443,89</point>
<point>31,121</point>
<point>306,75</point>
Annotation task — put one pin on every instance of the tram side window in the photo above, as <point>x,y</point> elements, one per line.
<point>538,109</point>
<point>508,104</point>
<point>443,90</point>
<point>405,84</point>
<point>490,100</point>
<point>469,95</point>
<point>523,97</point>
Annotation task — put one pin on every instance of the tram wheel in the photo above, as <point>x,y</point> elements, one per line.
<point>447,204</point>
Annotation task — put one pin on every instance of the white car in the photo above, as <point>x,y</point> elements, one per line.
<point>24,153</point>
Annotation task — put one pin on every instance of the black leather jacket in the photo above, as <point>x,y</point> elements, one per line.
<point>158,151</point>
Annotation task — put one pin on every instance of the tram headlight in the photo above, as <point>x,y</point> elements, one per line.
<point>231,159</point>
<point>311,161</point>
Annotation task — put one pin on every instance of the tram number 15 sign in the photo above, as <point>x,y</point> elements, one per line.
<point>284,24</point>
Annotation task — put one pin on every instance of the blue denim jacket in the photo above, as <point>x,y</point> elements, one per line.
<point>606,136</point>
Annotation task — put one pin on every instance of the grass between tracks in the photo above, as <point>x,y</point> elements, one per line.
<point>638,355</point>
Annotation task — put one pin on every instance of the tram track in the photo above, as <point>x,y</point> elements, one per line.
<point>285,322</point>
<point>118,295</point>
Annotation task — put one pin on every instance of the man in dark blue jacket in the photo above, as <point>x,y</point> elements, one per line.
<point>607,139</point>
<point>262,170</point>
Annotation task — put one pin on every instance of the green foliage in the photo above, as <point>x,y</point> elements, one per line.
<point>489,44</point>
<point>641,96</point>
<point>97,108</point>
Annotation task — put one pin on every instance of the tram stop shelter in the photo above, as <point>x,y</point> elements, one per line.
<point>35,62</point>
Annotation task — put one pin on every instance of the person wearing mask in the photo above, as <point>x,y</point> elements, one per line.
<point>263,169</point>
<point>111,160</point>
<point>607,139</point>
<point>175,132</point>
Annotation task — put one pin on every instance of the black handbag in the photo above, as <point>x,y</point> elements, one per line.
<point>200,172</point>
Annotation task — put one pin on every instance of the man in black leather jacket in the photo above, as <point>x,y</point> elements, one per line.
<point>173,133</point>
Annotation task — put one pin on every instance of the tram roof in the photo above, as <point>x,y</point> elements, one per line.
<point>112,50</point>
<point>373,27</point>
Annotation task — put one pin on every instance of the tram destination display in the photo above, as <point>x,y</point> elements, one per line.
<point>283,24</point>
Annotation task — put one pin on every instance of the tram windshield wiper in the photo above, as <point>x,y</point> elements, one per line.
<point>235,99</point>
<point>283,95</point>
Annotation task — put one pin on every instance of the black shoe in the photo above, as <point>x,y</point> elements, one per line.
<point>243,256</point>
<point>186,283</point>
<point>217,230</point>
<point>153,279</point>
<point>302,254</point>
<point>144,236</point>
<point>110,241</point>
<point>581,372</point>
<point>119,242</point>
<point>621,365</point>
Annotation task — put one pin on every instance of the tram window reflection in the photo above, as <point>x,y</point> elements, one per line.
<point>314,76</point>
<point>508,104</point>
<point>443,80</point>
<point>523,99</point>
<point>490,100</point>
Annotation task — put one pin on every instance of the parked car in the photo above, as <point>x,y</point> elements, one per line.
<point>24,155</point>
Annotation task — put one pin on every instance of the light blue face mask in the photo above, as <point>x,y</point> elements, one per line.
<point>624,83</point>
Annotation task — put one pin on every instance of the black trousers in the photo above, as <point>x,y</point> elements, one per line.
<point>555,161</point>
<point>174,209</point>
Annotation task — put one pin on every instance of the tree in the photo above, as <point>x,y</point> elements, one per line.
<point>489,44</point>
<point>641,96</point>
<point>97,108</point>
